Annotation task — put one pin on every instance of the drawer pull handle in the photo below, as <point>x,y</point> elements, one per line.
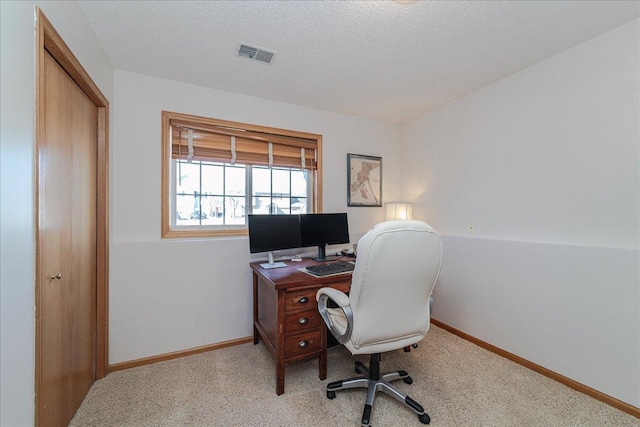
<point>303,300</point>
<point>303,320</point>
<point>303,344</point>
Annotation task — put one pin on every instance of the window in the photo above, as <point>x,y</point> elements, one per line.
<point>215,173</point>
<point>208,193</point>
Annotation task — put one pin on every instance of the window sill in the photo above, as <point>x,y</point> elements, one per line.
<point>181,234</point>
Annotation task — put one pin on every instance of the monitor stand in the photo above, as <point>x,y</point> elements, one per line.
<point>271,263</point>
<point>322,254</point>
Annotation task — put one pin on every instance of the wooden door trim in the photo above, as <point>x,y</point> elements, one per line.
<point>48,39</point>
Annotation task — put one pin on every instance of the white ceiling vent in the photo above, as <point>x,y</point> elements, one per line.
<point>259,54</point>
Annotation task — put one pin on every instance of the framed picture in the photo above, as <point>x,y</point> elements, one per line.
<point>364,180</point>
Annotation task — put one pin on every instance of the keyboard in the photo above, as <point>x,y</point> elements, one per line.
<point>331,268</point>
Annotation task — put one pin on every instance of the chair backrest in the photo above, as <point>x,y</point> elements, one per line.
<point>396,269</point>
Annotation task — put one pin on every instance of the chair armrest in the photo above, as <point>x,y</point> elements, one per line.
<point>323,296</point>
<point>334,295</point>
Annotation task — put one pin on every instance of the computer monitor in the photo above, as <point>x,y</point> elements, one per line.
<point>269,233</point>
<point>323,229</point>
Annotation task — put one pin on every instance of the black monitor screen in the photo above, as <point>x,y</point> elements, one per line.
<point>324,229</point>
<point>273,232</point>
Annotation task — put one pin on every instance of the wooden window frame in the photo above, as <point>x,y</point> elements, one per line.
<point>204,122</point>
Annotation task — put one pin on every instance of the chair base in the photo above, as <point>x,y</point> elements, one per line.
<point>374,381</point>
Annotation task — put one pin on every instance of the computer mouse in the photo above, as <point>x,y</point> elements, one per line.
<point>296,258</point>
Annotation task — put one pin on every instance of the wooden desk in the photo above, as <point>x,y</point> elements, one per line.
<point>285,314</point>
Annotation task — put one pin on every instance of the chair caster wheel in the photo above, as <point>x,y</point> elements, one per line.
<point>409,380</point>
<point>366,415</point>
<point>414,345</point>
<point>331,395</point>
<point>424,418</point>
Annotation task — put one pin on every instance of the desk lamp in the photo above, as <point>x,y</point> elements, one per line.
<point>398,210</point>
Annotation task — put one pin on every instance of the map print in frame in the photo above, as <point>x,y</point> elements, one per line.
<point>364,178</point>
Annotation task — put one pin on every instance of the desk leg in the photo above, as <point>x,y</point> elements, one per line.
<point>322,362</point>
<point>280,376</point>
<point>256,334</point>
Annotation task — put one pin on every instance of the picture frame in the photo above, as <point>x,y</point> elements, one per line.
<point>364,180</point>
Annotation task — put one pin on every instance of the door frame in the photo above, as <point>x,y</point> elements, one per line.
<point>48,39</point>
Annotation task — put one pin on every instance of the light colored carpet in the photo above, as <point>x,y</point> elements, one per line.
<point>458,383</point>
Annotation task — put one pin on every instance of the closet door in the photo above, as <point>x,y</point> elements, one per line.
<point>67,247</point>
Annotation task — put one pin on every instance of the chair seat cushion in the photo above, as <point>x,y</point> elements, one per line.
<point>384,346</point>
<point>339,319</point>
<point>340,322</point>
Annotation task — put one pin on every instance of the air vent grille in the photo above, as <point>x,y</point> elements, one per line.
<point>255,53</point>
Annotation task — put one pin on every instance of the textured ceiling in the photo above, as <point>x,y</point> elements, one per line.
<point>389,61</point>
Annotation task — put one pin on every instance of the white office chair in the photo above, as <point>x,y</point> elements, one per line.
<point>388,304</point>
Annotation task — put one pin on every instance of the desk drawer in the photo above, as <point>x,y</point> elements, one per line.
<point>297,322</point>
<point>299,300</point>
<point>301,344</point>
<point>341,286</point>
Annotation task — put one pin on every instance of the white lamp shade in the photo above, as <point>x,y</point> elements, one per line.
<point>398,210</point>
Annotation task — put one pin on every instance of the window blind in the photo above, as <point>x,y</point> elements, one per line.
<point>214,144</point>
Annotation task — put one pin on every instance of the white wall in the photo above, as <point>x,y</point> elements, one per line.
<point>546,164</point>
<point>170,295</point>
<point>17,226</point>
